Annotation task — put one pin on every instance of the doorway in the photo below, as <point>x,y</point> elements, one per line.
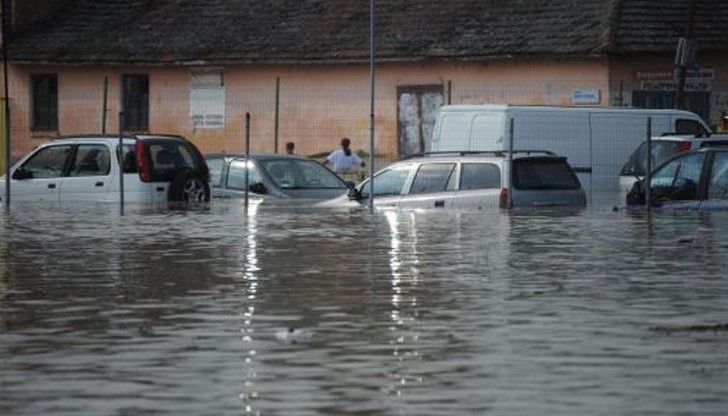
<point>417,107</point>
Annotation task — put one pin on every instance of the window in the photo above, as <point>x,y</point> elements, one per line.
<point>532,174</point>
<point>215,165</point>
<point>678,180</point>
<point>683,126</point>
<point>389,182</point>
<point>236,174</point>
<point>44,102</point>
<point>135,102</point>
<point>91,160</point>
<point>480,176</point>
<point>207,100</point>
<point>431,178</point>
<point>48,162</point>
<point>718,187</point>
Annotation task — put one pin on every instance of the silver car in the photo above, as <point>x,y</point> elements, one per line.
<point>472,180</point>
<point>281,177</point>
<point>662,148</point>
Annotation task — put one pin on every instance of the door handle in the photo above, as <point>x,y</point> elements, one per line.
<point>51,186</point>
<point>439,203</point>
<point>99,183</point>
<point>160,189</point>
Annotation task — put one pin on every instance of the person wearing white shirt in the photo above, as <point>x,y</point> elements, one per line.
<point>344,159</point>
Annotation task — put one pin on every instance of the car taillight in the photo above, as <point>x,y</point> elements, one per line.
<point>684,146</point>
<point>504,198</point>
<point>145,169</point>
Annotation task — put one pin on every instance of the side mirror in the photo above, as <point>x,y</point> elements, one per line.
<point>354,194</point>
<point>351,184</point>
<point>258,188</point>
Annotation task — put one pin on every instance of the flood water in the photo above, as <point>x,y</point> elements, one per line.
<point>220,311</point>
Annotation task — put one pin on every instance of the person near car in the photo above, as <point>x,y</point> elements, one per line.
<point>344,160</point>
<point>290,148</point>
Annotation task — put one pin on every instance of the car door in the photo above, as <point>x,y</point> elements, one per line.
<point>717,183</point>
<point>432,186</point>
<point>39,177</point>
<point>89,174</point>
<point>676,183</point>
<point>479,186</point>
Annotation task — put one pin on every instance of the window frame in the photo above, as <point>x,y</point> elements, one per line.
<point>135,102</point>
<point>44,104</point>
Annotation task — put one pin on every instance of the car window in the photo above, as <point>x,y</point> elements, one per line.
<point>718,186</point>
<point>687,126</point>
<point>91,160</point>
<point>532,174</point>
<point>48,162</point>
<point>236,174</point>
<point>636,165</point>
<point>285,173</point>
<point>432,177</point>
<point>678,179</point>
<point>130,159</point>
<point>167,157</point>
<point>215,165</point>
<point>306,174</point>
<point>388,182</point>
<point>480,176</point>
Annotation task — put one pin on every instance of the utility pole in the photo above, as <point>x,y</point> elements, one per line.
<point>684,56</point>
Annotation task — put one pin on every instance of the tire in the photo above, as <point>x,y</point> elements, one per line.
<point>189,187</point>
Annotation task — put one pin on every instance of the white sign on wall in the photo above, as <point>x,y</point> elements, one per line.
<point>586,96</point>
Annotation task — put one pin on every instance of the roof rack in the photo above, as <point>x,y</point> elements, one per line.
<point>90,136</point>
<point>482,152</point>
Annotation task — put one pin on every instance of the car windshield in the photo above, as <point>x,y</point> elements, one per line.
<point>292,173</point>
<point>531,174</point>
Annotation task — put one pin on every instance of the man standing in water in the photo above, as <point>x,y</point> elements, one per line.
<point>344,159</point>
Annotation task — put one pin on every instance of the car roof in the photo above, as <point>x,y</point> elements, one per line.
<point>91,136</point>
<point>691,137</point>
<point>256,155</point>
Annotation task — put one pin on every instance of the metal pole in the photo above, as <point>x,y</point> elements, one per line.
<point>7,101</point>
<point>120,153</point>
<point>104,105</point>
<point>648,167</point>
<point>509,177</point>
<point>247,157</point>
<point>371,105</point>
<point>278,103</point>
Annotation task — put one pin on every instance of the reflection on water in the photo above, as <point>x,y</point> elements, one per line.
<point>283,311</point>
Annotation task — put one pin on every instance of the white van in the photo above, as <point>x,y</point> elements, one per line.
<point>596,140</point>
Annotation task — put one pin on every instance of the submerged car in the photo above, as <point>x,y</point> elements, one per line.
<point>662,148</point>
<point>472,180</point>
<point>696,179</point>
<point>273,176</point>
<point>157,169</point>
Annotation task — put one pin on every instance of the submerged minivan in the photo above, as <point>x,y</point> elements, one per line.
<point>472,180</point>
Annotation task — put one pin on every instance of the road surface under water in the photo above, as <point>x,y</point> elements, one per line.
<point>224,311</point>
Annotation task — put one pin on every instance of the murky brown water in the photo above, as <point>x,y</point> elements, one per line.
<point>316,312</point>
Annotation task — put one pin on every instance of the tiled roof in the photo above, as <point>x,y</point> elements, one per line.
<point>230,31</point>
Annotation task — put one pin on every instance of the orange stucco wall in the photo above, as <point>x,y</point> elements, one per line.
<point>317,105</point>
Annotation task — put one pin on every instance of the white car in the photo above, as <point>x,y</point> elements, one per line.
<point>158,169</point>
<point>662,148</point>
<point>472,180</point>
